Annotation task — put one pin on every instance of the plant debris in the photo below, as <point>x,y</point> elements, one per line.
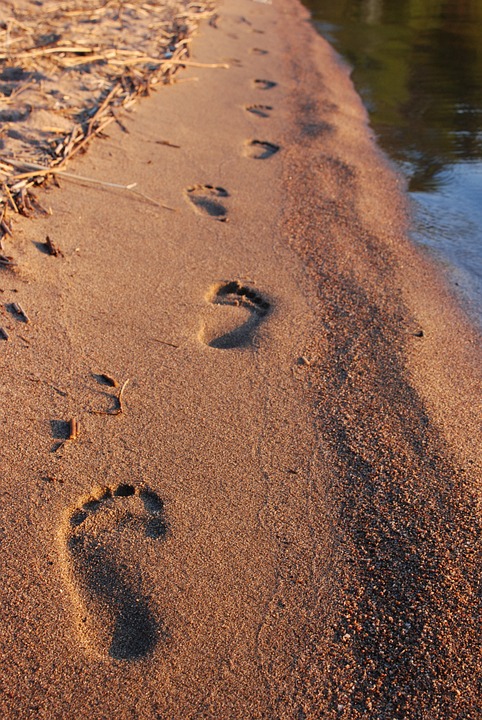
<point>68,69</point>
<point>52,249</point>
<point>74,428</point>
<point>18,309</point>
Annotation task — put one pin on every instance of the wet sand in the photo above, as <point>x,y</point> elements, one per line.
<point>280,516</point>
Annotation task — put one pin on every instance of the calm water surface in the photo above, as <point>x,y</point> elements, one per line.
<point>417,64</point>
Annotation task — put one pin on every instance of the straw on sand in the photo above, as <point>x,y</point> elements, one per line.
<point>127,48</point>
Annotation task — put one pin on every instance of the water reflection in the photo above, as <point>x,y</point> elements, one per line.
<point>418,66</point>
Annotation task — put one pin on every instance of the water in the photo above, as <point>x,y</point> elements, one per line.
<point>417,65</point>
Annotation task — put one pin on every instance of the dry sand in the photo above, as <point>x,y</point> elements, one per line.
<point>281,516</point>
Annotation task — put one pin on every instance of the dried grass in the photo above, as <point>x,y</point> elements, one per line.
<point>67,69</point>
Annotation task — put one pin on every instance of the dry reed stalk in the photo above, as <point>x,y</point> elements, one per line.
<point>21,312</point>
<point>7,262</point>
<point>73,429</point>
<point>52,249</point>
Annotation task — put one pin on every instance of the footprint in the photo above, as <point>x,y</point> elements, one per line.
<point>106,544</point>
<point>260,149</point>
<point>205,199</point>
<point>235,313</point>
<point>263,111</point>
<point>264,84</point>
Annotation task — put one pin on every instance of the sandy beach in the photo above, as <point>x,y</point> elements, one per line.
<point>240,413</point>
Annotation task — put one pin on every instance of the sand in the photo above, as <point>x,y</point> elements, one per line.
<point>269,503</point>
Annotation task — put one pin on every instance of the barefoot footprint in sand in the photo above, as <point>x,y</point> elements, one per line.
<point>206,200</point>
<point>105,545</point>
<point>260,149</point>
<point>261,84</point>
<point>262,111</point>
<point>234,313</point>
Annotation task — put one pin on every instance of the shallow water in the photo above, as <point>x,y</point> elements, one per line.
<point>417,65</point>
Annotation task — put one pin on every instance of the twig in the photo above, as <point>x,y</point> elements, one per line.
<point>62,173</point>
<point>20,311</point>
<point>167,143</point>
<point>52,249</point>
<point>5,228</point>
<point>48,51</point>
<point>121,409</point>
<point>151,200</point>
<point>163,342</point>
<point>7,261</point>
<point>10,198</point>
<point>73,429</point>
<point>73,434</point>
<point>168,62</point>
<point>3,334</point>
<point>42,170</point>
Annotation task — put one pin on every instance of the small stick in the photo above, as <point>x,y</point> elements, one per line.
<point>5,228</point>
<point>165,62</point>
<point>10,197</point>
<point>36,205</point>
<point>163,342</point>
<point>178,81</point>
<point>25,206</point>
<point>42,170</point>
<point>73,429</point>
<point>3,334</point>
<point>7,261</point>
<point>20,311</point>
<point>151,200</point>
<point>50,51</point>
<point>52,249</point>
<point>73,434</point>
<point>58,390</point>
<point>121,409</point>
<point>167,143</point>
<point>94,133</point>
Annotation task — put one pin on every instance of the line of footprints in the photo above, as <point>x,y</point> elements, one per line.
<point>114,615</point>
<point>244,307</point>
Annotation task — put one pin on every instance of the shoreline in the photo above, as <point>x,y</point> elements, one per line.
<point>434,212</point>
<point>273,513</point>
